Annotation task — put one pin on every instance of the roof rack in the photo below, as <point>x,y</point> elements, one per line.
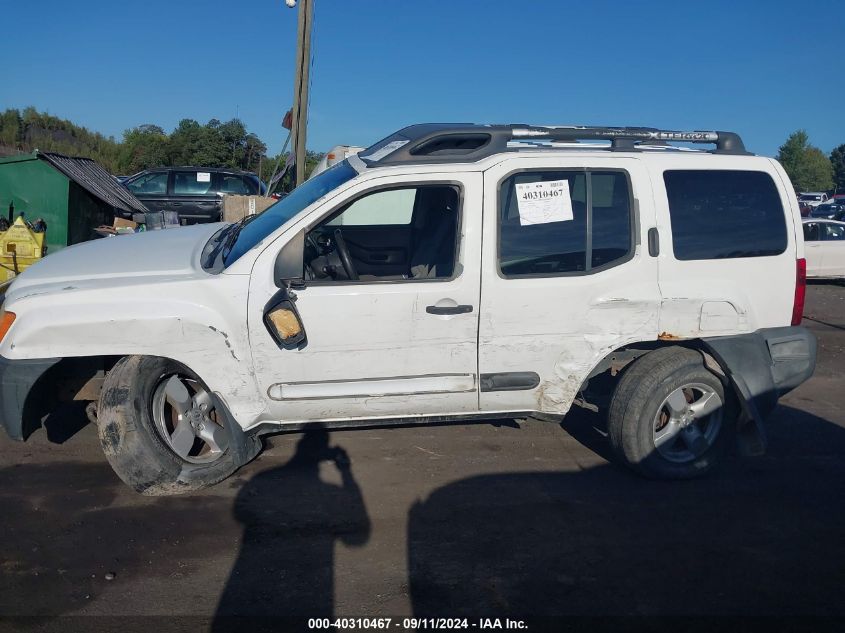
<point>468,142</point>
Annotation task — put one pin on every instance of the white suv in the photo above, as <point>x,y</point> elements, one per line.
<point>448,272</point>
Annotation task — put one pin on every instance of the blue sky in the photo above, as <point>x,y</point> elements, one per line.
<point>763,68</point>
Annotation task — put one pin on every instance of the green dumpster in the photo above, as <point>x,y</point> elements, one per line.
<point>72,195</point>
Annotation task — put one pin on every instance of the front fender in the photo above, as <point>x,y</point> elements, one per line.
<point>199,323</point>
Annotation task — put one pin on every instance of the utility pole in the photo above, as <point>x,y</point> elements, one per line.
<point>300,86</point>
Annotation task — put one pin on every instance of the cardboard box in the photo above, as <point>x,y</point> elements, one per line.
<point>236,208</point>
<point>120,223</point>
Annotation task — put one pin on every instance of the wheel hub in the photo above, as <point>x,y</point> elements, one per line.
<point>183,412</point>
<point>687,422</point>
<point>196,417</point>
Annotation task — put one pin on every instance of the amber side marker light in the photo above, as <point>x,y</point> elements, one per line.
<point>6,321</point>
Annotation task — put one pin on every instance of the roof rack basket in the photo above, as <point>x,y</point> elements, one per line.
<point>466,142</point>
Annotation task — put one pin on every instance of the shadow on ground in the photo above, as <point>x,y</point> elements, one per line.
<point>758,537</point>
<point>291,521</point>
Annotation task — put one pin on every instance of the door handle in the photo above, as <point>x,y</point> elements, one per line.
<point>653,242</point>
<point>459,309</point>
<point>176,204</point>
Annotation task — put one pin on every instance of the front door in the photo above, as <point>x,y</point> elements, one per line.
<point>400,340</point>
<point>565,279</point>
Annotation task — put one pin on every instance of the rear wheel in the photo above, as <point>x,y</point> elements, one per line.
<point>161,428</point>
<point>670,417</point>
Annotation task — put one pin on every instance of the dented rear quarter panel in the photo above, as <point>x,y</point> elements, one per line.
<point>720,297</point>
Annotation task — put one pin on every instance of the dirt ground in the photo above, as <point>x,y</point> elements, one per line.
<point>479,521</point>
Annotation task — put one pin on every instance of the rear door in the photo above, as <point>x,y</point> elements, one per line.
<point>833,249</point>
<point>565,277</point>
<point>194,196</point>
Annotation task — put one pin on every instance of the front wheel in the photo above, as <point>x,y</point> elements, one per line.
<point>161,429</point>
<point>670,417</point>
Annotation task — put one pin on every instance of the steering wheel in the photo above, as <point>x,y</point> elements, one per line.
<point>343,253</point>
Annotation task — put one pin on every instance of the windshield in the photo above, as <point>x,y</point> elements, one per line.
<point>275,216</point>
<point>810,197</point>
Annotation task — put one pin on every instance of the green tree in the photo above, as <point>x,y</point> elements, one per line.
<point>144,146</point>
<point>186,142</point>
<point>215,144</point>
<point>807,167</point>
<point>837,160</point>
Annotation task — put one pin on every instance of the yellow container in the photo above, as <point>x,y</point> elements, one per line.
<point>20,247</point>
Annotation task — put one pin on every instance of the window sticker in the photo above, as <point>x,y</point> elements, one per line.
<point>203,176</point>
<point>387,149</point>
<point>543,202</point>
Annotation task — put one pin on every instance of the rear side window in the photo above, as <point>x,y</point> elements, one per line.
<point>834,232</point>
<point>724,214</point>
<point>589,231</point>
<point>192,183</point>
<point>231,183</point>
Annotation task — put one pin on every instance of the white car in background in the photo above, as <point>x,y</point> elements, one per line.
<point>812,198</point>
<point>824,242</point>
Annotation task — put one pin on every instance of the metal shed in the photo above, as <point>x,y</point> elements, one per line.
<point>72,194</point>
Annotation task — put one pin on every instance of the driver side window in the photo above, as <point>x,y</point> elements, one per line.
<point>396,234</point>
<point>394,206</point>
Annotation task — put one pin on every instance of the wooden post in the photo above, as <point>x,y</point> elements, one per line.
<point>300,86</point>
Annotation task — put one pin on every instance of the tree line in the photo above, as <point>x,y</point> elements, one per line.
<point>213,144</point>
<point>809,168</point>
<point>230,144</point>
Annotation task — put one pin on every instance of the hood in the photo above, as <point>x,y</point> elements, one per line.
<point>165,253</point>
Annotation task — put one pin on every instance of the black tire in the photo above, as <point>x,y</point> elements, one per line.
<point>133,445</point>
<point>640,397</point>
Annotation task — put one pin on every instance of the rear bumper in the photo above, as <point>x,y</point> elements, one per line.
<point>765,365</point>
<point>17,377</point>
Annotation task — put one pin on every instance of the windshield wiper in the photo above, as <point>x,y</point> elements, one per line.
<point>232,237</point>
<point>224,241</point>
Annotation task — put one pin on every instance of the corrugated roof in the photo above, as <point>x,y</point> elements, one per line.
<point>95,180</point>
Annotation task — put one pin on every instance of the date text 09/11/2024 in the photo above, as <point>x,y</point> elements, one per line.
<point>414,624</point>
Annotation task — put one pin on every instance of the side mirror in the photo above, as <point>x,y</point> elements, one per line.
<point>289,266</point>
<point>282,320</point>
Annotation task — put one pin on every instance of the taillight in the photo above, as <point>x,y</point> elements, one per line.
<point>800,291</point>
